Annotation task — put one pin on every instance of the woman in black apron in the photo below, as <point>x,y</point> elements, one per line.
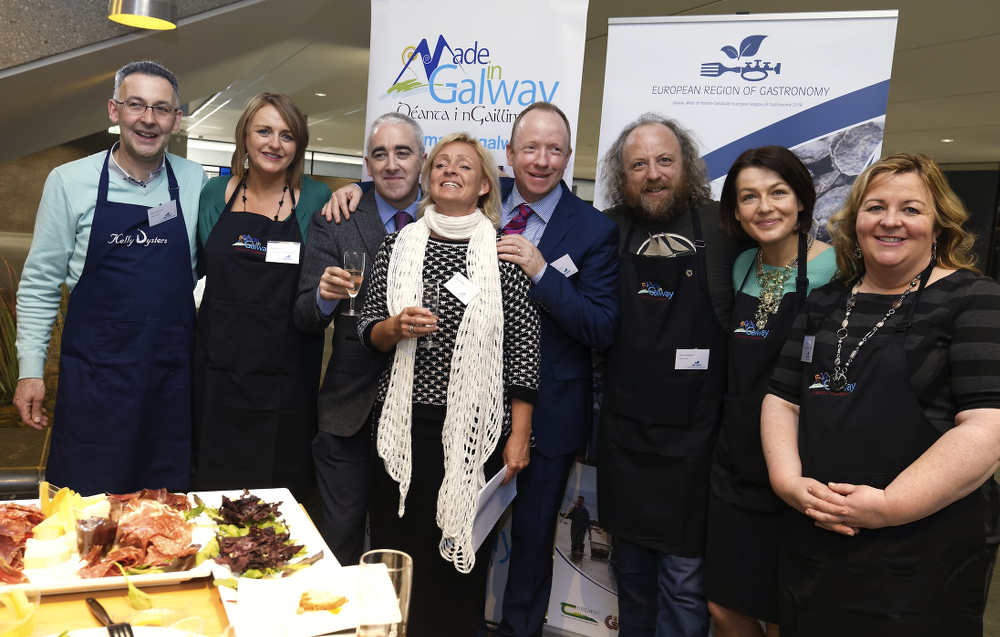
<point>883,423</point>
<point>256,376</point>
<point>768,197</point>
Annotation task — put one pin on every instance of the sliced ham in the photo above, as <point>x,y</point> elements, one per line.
<point>16,522</point>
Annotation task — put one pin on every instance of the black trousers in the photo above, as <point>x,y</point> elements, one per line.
<point>443,601</point>
<point>343,471</point>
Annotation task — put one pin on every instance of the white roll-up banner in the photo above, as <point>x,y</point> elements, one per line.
<point>817,83</point>
<point>455,67</point>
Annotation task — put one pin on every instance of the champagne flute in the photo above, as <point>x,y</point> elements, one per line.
<point>354,263</point>
<point>429,300</point>
<point>384,593</point>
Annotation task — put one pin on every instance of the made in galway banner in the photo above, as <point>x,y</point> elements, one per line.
<point>455,66</point>
<point>817,83</point>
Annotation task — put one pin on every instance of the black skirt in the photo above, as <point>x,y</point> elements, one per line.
<point>741,559</point>
<point>442,599</point>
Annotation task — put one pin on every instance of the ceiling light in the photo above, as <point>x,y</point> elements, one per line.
<point>319,94</point>
<point>319,139</point>
<point>947,140</point>
<point>159,15</point>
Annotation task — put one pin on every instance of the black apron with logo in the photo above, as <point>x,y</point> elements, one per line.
<point>658,423</point>
<point>123,406</point>
<point>923,579</point>
<point>739,473</point>
<point>256,376</point>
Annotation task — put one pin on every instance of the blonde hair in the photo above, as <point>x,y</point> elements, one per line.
<point>297,125</point>
<point>488,203</point>
<point>954,243</point>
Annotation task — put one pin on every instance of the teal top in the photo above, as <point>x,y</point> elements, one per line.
<point>313,194</point>
<point>819,270</point>
<point>62,233</point>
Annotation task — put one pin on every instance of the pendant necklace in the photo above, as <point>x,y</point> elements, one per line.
<point>772,286</point>
<point>838,379</point>
<point>281,202</point>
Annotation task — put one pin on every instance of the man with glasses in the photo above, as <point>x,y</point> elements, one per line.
<point>118,228</point>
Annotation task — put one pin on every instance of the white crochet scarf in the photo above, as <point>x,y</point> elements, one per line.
<point>474,411</point>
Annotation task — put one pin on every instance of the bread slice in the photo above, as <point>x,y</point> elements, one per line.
<point>320,600</point>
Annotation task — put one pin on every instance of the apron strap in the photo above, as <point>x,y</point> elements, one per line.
<point>172,186</point>
<point>802,280</point>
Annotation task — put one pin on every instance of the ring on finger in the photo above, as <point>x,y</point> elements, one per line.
<point>411,329</point>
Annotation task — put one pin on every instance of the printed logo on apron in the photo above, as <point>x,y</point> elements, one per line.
<point>250,243</point>
<point>821,385</point>
<point>137,238</point>
<point>748,330</point>
<point>654,291</point>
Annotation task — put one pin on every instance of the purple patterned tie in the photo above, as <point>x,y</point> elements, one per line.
<point>520,220</point>
<point>401,218</point>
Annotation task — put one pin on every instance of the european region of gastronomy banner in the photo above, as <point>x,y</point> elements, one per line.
<point>455,66</point>
<point>817,83</point>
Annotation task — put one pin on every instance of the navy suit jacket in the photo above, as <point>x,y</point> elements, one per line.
<point>578,314</point>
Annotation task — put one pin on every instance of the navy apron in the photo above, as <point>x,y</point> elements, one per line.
<point>256,376</point>
<point>739,473</point>
<point>658,423</point>
<point>923,579</point>
<point>123,406</point>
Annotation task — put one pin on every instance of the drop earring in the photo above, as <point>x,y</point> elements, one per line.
<point>934,252</point>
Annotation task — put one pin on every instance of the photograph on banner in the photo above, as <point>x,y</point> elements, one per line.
<point>817,83</point>
<point>455,68</point>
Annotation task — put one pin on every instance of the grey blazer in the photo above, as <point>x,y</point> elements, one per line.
<point>351,379</point>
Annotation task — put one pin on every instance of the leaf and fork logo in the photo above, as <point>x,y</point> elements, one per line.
<point>753,70</point>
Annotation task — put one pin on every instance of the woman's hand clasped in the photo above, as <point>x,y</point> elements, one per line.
<point>414,322</point>
<point>816,500</point>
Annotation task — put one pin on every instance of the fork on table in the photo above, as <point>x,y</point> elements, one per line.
<point>114,629</point>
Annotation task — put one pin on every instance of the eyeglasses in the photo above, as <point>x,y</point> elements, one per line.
<point>136,107</point>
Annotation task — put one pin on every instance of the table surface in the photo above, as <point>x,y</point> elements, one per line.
<point>196,597</point>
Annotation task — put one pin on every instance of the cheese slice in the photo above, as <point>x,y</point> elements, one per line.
<point>46,553</point>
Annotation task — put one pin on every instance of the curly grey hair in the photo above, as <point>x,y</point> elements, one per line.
<point>695,182</point>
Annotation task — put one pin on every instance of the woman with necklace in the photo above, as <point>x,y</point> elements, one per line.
<point>256,376</point>
<point>882,426</point>
<point>450,416</point>
<point>768,197</point>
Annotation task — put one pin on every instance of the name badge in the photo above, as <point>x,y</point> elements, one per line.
<point>808,345</point>
<point>691,358</point>
<point>283,252</point>
<point>161,213</point>
<point>565,266</point>
<point>463,289</point>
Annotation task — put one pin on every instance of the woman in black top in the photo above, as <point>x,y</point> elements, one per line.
<point>450,416</point>
<point>882,428</point>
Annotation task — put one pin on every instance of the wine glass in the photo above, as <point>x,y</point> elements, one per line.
<point>354,263</point>
<point>429,300</point>
<point>384,595</point>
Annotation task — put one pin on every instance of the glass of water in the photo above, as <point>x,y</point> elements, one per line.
<point>385,576</point>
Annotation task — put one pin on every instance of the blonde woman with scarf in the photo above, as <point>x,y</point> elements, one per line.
<point>448,417</point>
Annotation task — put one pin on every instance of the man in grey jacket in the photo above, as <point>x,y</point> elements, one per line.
<point>342,447</point>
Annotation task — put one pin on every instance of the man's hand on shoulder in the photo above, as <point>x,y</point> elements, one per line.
<point>516,249</point>
<point>28,397</point>
<point>342,203</point>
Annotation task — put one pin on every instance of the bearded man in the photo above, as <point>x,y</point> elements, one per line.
<point>665,375</point>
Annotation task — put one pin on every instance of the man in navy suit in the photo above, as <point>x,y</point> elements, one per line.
<point>569,251</point>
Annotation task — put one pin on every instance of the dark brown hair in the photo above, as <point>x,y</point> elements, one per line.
<point>788,166</point>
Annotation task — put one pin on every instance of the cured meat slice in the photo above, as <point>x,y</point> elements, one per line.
<point>16,522</point>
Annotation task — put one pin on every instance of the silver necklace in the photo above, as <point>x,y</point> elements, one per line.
<point>838,380</point>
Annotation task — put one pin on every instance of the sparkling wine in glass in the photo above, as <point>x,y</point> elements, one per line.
<point>354,263</point>
<point>429,300</point>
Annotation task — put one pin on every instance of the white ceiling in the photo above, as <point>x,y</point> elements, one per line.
<point>944,80</point>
